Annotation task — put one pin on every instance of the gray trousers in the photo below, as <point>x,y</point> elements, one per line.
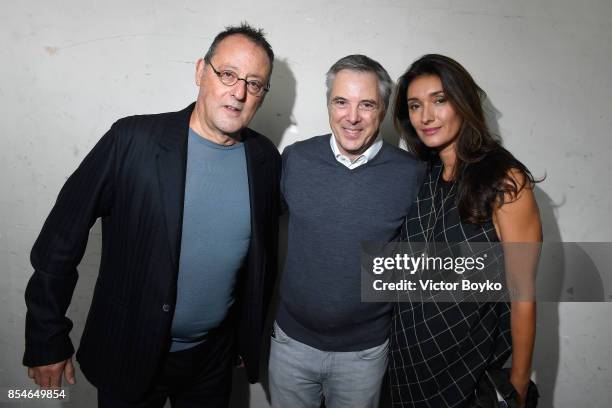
<point>301,376</point>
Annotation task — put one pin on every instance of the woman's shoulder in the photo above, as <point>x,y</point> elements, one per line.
<point>500,169</point>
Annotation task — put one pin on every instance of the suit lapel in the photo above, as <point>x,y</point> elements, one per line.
<point>171,171</point>
<point>172,168</point>
<point>255,158</point>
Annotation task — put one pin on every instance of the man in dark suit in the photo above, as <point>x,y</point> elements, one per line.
<point>189,205</point>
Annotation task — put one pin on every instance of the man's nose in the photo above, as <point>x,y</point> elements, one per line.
<point>239,90</point>
<point>353,115</point>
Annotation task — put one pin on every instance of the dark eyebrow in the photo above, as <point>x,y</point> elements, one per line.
<point>227,67</point>
<point>235,70</point>
<point>434,93</point>
<point>255,77</point>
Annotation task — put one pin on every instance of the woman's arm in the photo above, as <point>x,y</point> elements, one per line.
<point>518,220</point>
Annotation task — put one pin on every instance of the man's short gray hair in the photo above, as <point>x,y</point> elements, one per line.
<point>256,35</point>
<point>361,63</point>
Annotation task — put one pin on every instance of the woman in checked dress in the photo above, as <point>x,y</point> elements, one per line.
<point>475,191</point>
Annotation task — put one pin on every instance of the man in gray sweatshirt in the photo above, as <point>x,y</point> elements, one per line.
<point>340,189</point>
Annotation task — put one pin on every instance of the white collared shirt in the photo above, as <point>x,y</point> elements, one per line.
<point>362,159</point>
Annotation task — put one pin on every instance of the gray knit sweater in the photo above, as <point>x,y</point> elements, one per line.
<point>331,210</point>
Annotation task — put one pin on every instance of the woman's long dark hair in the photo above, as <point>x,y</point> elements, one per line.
<point>482,165</point>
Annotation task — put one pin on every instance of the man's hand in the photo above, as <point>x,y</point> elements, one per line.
<point>51,375</point>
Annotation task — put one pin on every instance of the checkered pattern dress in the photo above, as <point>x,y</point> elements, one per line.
<point>438,351</point>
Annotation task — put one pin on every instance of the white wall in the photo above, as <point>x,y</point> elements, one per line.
<point>71,68</point>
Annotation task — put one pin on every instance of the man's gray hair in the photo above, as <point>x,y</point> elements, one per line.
<point>361,63</point>
<point>256,35</point>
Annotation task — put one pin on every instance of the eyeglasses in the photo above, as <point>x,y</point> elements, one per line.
<point>230,78</point>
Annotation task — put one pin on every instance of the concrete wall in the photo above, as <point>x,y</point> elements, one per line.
<point>71,68</point>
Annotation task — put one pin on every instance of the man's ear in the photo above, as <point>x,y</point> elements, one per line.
<point>383,113</point>
<point>261,100</point>
<point>199,71</point>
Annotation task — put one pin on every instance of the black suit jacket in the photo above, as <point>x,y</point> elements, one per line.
<point>134,179</point>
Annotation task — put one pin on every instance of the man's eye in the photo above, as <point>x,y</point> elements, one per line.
<point>227,74</point>
<point>367,105</point>
<point>339,103</point>
<point>255,84</point>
